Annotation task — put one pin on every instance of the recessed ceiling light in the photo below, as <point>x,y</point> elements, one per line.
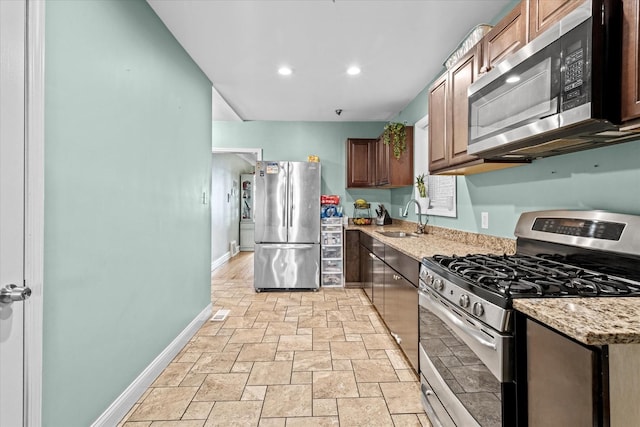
<point>353,70</point>
<point>285,71</point>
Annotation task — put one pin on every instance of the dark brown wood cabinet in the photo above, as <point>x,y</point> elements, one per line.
<point>545,13</point>
<point>392,172</point>
<point>382,163</point>
<point>630,60</point>
<point>461,76</point>
<point>438,121</point>
<point>361,167</point>
<point>449,105</point>
<point>352,258</point>
<point>509,35</point>
<point>449,122</point>
<point>371,163</point>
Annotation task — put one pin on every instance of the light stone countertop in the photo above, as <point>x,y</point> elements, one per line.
<point>437,240</point>
<point>592,321</point>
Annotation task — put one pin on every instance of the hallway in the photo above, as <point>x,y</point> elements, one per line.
<point>284,359</point>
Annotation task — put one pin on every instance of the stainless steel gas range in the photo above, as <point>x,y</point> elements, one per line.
<point>466,317</point>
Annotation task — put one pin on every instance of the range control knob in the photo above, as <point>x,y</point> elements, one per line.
<point>429,279</point>
<point>478,309</point>
<point>464,300</point>
<point>438,284</point>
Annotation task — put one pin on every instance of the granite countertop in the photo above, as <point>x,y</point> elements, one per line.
<point>592,321</point>
<point>437,240</point>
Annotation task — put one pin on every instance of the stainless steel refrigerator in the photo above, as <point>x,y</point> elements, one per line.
<point>287,225</point>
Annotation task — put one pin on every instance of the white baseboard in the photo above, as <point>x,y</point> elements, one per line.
<point>123,404</point>
<point>217,263</point>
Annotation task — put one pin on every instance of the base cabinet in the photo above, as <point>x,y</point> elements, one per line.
<point>563,386</point>
<point>389,278</point>
<point>352,258</point>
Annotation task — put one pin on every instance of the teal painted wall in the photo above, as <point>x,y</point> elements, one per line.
<point>127,239</point>
<point>294,141</point>
<point>570,181</point>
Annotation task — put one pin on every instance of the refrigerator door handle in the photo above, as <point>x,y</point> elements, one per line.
<point>291,206</point>
<point>285,197</point>
<point>293,246</point>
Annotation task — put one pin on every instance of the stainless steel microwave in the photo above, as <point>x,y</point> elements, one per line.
<point>559,93</point>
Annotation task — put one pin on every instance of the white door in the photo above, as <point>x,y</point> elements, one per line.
<point>12,209</point>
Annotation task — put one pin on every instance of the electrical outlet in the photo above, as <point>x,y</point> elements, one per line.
<point>484,219</point>
<point>400,211</point>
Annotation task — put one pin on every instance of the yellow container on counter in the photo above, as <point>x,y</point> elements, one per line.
<point>313,158</point>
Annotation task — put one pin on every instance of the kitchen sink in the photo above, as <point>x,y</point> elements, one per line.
<point>398,234</point>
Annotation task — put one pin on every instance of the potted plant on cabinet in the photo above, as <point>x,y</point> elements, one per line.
<point>395,134</point>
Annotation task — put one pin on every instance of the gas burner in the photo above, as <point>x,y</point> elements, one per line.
<point>533,276</point>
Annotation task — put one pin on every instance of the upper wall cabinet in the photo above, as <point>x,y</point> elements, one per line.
<point>361,167</point>
<point>544,13</point>
<point>449,122</point>
<point>392,172</point>
<point>508,36</point>
<point>371,163</point>
<point>630,60</point>
<point>449,105</point>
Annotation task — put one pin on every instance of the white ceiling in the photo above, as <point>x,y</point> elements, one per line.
<point>400,45</point>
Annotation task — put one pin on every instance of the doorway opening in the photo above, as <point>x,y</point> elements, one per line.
<point>231,232</point>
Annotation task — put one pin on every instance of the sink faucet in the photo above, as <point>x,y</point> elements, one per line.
<point>420,229</point>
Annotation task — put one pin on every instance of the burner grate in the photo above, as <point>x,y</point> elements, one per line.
<point>534,276</point>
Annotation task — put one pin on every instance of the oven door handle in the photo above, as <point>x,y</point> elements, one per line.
<point>474,333</point>
<point>431,413</point>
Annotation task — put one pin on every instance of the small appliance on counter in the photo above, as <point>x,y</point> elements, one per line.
<point>383,217</point>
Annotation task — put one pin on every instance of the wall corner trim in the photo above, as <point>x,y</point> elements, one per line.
<point>123,404</point>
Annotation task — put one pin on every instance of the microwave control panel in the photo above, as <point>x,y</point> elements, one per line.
<point>575,75</point>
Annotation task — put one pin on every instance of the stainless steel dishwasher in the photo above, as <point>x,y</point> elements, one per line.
<point>401,301</point>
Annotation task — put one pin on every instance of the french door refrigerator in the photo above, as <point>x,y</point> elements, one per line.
<point>287,225</point>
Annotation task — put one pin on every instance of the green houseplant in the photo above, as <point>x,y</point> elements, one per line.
<point>422,189</point>
<point>395,134</point>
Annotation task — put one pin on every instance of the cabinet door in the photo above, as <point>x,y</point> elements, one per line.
<point>545,13</point>
<point>438,124</point>
<point>366,271</point>
<point>401,170</point>
<point>631,59</point>
<point>352,257</point>
<point>382,162</point>
<point>460,77</point>
<point>509,35</point>
<point>377,284</point>
<point>561,380</point>
<point>360,162</point>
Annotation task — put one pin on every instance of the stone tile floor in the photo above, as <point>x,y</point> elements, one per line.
<point>285,359</point>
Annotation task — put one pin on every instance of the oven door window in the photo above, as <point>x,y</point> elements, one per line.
<point>466,376</point>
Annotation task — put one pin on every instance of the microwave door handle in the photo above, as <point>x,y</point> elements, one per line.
<point>460,324</point>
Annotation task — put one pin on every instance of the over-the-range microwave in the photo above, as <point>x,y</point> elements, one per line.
<point>557,94</point>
